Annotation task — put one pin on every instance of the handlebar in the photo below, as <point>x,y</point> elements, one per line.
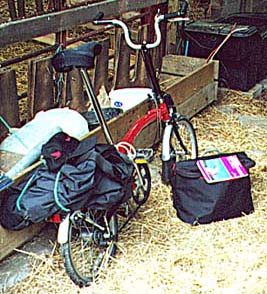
<point>176,16</point>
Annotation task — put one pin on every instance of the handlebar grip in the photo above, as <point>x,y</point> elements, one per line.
<point>171,15</point>
<point>99,16</point>
<point>181,13</point>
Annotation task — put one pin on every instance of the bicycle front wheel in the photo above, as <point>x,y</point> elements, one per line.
<point>92,238</point>
<point>183,141</point>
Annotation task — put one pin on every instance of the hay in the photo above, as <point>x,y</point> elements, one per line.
<point>159,254</point>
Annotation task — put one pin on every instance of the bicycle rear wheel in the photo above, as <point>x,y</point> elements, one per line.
<point>92,238</point>
<point>180,143</point>
<point>141,187</point>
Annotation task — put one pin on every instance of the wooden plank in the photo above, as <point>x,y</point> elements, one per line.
<point>21,8</point>
<point>122,62</point>
<point>140,75</point>
<point>216,65</point>
<point>75,94</point>
<point>9,240</point>
<point>9,108</point>
<point>39,6</point>
<point>192,83</point>
<point>198,101</point>
<point>173,6</point>
<point>40,88</point>
<point>118,127</point>
<point>101,78</point>
<point>12,9</point>
<point>64,20</point>
<point>180,65</point>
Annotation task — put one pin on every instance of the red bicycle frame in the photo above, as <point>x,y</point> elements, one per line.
<point>160,113</point>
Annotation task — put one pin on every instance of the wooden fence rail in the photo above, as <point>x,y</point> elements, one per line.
<point>113,69</point>
<point>63,20</point>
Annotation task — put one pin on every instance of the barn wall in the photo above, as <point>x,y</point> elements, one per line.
<point>218,8</point>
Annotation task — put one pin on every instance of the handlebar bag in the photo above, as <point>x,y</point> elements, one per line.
<point>198,202</point>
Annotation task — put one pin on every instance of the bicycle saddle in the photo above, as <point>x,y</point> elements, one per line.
<point>81,57</point>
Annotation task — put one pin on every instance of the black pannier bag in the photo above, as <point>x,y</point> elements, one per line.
<point>198,202</point>
<point>93,175</point>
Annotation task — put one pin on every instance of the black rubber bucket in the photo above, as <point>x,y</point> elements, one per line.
<point>109,113</point>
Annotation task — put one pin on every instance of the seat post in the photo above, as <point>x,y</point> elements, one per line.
<point>99,114</point>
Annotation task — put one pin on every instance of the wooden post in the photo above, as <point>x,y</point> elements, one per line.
<point>101,78</point>
<point>39,6</point>
<point>75,94</point>
<point>51,5</point>
<point>172,29</point>
<point>61,36</point>
<point>122,62</point>
<point>9,108</point>
<point>40,86</point>
<point>140,77</point>
<point>21,8</point>
<point>12,9</point>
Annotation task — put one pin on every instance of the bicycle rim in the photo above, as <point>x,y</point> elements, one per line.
<point>183,142</point>
<point>89,248</point>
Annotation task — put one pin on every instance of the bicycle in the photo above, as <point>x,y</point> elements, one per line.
<point>179,140</point>
<point>88,237</point>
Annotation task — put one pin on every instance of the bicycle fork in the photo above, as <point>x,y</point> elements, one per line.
<point>64,225</point>
<point>167,161</point>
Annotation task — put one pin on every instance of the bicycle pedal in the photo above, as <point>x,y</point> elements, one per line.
<point>5,182</point>
<point>145,154</point>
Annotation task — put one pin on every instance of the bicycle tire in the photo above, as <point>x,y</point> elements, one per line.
<point>88,250</point>
<point>140,195</point>
<point>182,145</point>
<point>184,129</point>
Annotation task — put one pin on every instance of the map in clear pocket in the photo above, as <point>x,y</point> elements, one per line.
<point>223,168</point>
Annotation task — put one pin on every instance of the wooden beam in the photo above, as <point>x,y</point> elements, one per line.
<point>9,240</point>
<point>40,86</point>
<point>101,75</point>
<point>198,101</point>
<point>122,62</point>
<point>15,31</point>
<point>193,82</point>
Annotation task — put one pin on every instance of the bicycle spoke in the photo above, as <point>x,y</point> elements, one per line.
<point>88,249</point>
